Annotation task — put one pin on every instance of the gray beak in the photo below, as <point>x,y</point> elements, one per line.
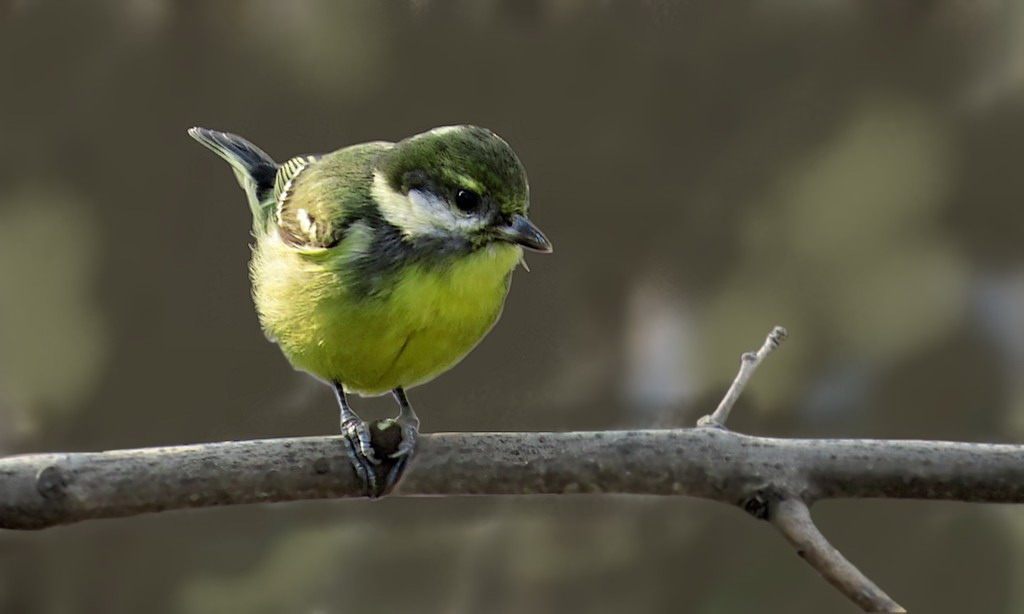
<point>522,232</point>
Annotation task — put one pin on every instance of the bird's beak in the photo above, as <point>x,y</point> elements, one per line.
<point>522,232</point>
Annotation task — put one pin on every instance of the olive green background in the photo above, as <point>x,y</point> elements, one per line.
<point>705,170</point>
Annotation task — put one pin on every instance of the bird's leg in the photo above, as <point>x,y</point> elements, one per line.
<point>357,443</point>
<point>410,425</point>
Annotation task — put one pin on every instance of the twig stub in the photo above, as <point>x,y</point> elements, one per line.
<point>749,361</point>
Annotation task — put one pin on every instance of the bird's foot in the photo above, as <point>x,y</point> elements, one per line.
<point>359,448</point>
<point>403,451</point>
<point>409,432</point>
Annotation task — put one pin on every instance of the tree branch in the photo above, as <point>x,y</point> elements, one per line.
<point>43,490</point>
<point>772,479</point>
<point>793,519</point>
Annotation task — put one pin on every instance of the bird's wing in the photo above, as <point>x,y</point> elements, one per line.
<point>318,198</point>
<point>302,221</point>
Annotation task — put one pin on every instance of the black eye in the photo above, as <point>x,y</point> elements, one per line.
<point>467,201</point>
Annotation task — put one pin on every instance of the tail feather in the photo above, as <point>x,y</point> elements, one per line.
<point>254,169</point>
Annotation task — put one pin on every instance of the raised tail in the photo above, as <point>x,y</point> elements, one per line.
<point>254,169</point>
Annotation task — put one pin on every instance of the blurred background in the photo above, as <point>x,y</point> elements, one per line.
<point>847,168</point>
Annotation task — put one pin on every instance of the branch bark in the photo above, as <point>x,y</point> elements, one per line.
<point>44,490</point>
<point>772,479</point>
<point>756,473</point>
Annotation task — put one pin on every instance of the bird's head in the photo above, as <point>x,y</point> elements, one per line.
<point>461,184</point>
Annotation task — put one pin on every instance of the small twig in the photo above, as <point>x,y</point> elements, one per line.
<point>748,364</point>
<point>793,519</point>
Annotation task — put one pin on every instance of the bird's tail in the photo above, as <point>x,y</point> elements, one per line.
<point>254,169</point>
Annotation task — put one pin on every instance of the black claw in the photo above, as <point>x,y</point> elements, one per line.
<point>359,432</point>
<point>395,473</point>
<point>356,435</point>
<point>398,438</point>
<point>408,443</point>
<point>394,438</point>
<point>364,470</point>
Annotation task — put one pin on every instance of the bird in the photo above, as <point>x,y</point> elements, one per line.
<point>381,265</point>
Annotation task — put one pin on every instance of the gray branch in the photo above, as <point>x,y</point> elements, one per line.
<point>43,490</point>
<point>755,473</point>
<point>792,518</point>
<point>772,479</point>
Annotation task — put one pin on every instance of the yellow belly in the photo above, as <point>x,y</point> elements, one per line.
<point>429,321</point>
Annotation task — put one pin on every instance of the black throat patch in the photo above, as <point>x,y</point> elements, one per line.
<point>373,273</point>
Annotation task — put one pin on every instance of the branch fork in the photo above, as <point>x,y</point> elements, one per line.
<point>790,513</point>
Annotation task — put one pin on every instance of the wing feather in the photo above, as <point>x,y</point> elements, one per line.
<point>300,221</point>
<point>318,198</point>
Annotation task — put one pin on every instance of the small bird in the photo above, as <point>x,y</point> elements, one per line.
<point>380,266</point>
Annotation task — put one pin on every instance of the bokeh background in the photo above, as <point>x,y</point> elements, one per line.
<point>850,169</point>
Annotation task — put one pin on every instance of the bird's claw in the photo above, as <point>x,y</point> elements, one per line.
<point>358,432</point>
<point>356,435</point>
<point>403,452</point>
<point>409,433</point>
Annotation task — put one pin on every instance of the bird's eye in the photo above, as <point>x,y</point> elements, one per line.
<point>467,201</point>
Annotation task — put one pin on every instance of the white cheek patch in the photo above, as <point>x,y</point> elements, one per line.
<point>421,212</point>
<point>440,212</point>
